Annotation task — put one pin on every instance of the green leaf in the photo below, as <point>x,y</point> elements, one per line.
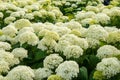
<point>16,45</point>
<point>36,65</point>
<point>116,77</point>
<point>118,57</point>
<point>25,45</point>
<point>83,74</point>
<point>93,60</point>
<point>102,43</point>
<point>40,55</point>
<point>91,75</point>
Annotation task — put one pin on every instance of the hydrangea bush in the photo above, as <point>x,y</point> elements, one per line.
<point>59,40</point>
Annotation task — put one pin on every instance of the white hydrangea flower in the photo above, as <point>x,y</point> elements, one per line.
<point>19,24</point>
<point>70,37</point>
<point>49,26</point>
<point>57,12</point>
<point>11,6</point>
<point>61,30</point>
<point>9,30</point>
<point>1,15</point>
<point>43,32</point>
<point>28,37</point>
<point>64,18</point>
<point>25,29</point>
<point>102,0</point>
<point>37,14</point>
<point>5,46</point>
<point>106,11</point>
<point>8,57</point>
<point>2,78</point>
<point>96,32</point>
<point>20,53</point>
<point>42,73</point>
<point>73,25</point>
<point>73,51</point>
<point>3,38</point>
<point>67,4</point>
<point>90,14</point>
<point>93,42</point>
<point>114,37</point>
<point>52,35</point>
<point>83,15</point>
<point>52,61</point>
<point>115,11</point>
<point>92,8</point>
<point>74,5</point>
<point>38,27</point>
<point>21,3</point>
<point>82,42</point>
<point>9,20</point>
<point>62,44</point>
<point>51,15</point>
<point>2,7</point>
<point>12,40</point>
<point>59,24</point>
<point>43,12</point>
<point>76,32</point>
<point>29,16</point>
<point>111,29</point>
<point>32,7</point>
<point>22,13</point>
<point>88,21</point>
<point>68,70</point>
<point>47,43</point>
<point>9,12</point>
<point>21,73</point>
<point>15,14</point>
<point>80,15</point>
<point>8,38</point>
<point>35,7</point>
<point>4,67</point>
<point>102,18</point>
<point>29,8</point>
<point>107,51</point>
<point>109,67</point>
<point>115,7</point>
<point>101,6</point>
<point>83,31</point>
<point>74,40</point>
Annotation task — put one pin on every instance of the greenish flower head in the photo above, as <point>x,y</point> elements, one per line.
<point>98,75</point>
<point>54,77</point>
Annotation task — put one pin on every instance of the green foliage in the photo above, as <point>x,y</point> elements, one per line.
<point>83,75</point>
<point>115,21</point>
<point>116,77</point>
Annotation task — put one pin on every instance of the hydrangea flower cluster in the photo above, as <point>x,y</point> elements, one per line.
<point>36,11</point>
<point>52,61</point>
<point>107,51</point>
<point>109,67</point>
<point>59,40</point>
<point>67,70</point>
<point>21,72</point>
